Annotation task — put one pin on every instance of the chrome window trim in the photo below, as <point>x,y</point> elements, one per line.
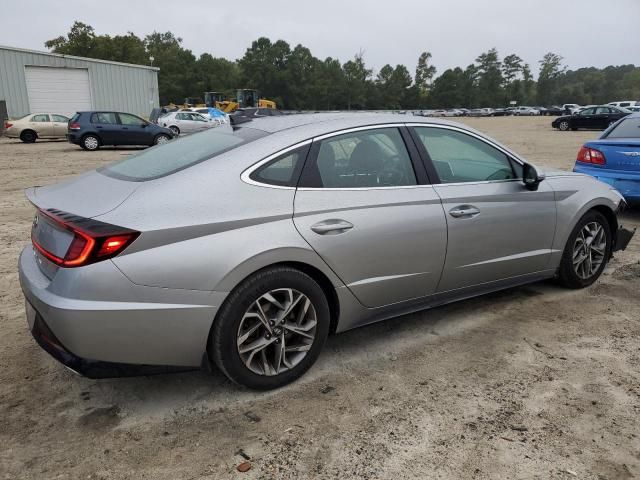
<point>245,175</point>
<point>358,129</point>
<point>337,189</point>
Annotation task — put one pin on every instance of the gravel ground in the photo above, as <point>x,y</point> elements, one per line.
<point>532,382</point>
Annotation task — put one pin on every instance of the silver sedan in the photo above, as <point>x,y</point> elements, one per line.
<point>246,249</point>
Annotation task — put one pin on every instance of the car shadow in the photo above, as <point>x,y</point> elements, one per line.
<point>159,395</point>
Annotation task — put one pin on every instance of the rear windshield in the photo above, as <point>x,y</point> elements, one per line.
<point>177,155</point>
<point>627,128</point>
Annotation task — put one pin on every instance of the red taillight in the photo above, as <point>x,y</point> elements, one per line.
<point>92,242</point>
<point>74,126</point>
<point>7,125</point>
<point>591,155</point>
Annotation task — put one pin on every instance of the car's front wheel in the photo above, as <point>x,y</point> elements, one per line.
<point>161,139</point>
<point>271,328</point>
<point>587,251</point>
<point>175,130</point>
<point>564,125</point>
<point>90,142</point>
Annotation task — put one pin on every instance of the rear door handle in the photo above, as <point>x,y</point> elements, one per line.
<point>331,227</point>
<point>462,211</point>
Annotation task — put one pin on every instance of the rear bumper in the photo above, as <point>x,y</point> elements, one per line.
<point>119,322</point>
<point>73,138</point>
<point>83,366</point>
<point>627,183</point>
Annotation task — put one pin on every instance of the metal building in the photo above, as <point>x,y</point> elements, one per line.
<point>32,81</point>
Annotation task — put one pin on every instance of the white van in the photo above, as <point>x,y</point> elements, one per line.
<point>624,103</point>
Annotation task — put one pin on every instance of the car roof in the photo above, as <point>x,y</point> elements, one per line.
<point>334,121</point>
<point>298,127</point>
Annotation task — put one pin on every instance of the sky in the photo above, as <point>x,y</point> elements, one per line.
<point>585,32</point>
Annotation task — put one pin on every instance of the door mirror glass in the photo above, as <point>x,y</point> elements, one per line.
<point>531,177</point>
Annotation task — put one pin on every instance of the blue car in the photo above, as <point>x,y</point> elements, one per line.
<point>91,130</point>
<point>614,158</point>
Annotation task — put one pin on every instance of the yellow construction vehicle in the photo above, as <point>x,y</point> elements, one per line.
<point>245,98</point>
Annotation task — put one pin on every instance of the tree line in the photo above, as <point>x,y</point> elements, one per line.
<point>297,80</point>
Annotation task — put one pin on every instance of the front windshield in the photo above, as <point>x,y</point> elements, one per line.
<point>176,155</point>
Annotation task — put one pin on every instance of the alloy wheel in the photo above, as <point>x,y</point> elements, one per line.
<point>277,331</point>
<point>589,250</point>
<point>564,125</point>
<point>162,139</point>
<point>91,143</point>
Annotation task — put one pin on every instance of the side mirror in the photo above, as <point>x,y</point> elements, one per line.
<point>531,177</point>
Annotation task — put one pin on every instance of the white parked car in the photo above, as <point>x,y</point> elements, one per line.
<point>624,103</point>
<point>526,111</point>
<point>186,122</point>
<point>571,107</point>
<point>214,114</point>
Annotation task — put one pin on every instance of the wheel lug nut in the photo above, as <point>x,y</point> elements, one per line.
<point>267,336</point>
<point>272,323</point>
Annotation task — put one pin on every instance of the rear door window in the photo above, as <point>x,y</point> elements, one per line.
<point>362,159</point>
<point>59,118</point>
<point>40,118</point>
<point>108,118</point>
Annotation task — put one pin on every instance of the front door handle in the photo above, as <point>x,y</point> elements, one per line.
<point>331,227</point>
<point>464,211</point>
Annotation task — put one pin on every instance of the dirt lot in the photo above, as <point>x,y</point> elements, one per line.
<point>532,382</point>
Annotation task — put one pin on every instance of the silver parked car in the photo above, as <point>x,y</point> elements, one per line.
<point>186,122</point>
<point>247,249</point>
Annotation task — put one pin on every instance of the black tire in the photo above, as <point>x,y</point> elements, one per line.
<point>175,130</point>
<point>161,138</point>
<point>564,125</point>
<point>28,136</point>
<point>223,348</point>
<point>567,275</point>
<point>90,142</point>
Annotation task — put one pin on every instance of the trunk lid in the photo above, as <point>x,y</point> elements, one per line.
<point>87,195</point>
<point>620,154</point>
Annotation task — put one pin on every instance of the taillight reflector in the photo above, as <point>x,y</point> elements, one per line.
<point>591,155</point>
<point>74,126</point>
<point>7,125</point>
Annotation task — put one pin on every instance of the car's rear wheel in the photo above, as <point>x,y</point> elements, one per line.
<point>90,142</point>
<point>28,136</point>
<point>587,251</point>
<point>271,328</point>
<point>563,125</point>
<point>161,138</point>
<point>175,130</point>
